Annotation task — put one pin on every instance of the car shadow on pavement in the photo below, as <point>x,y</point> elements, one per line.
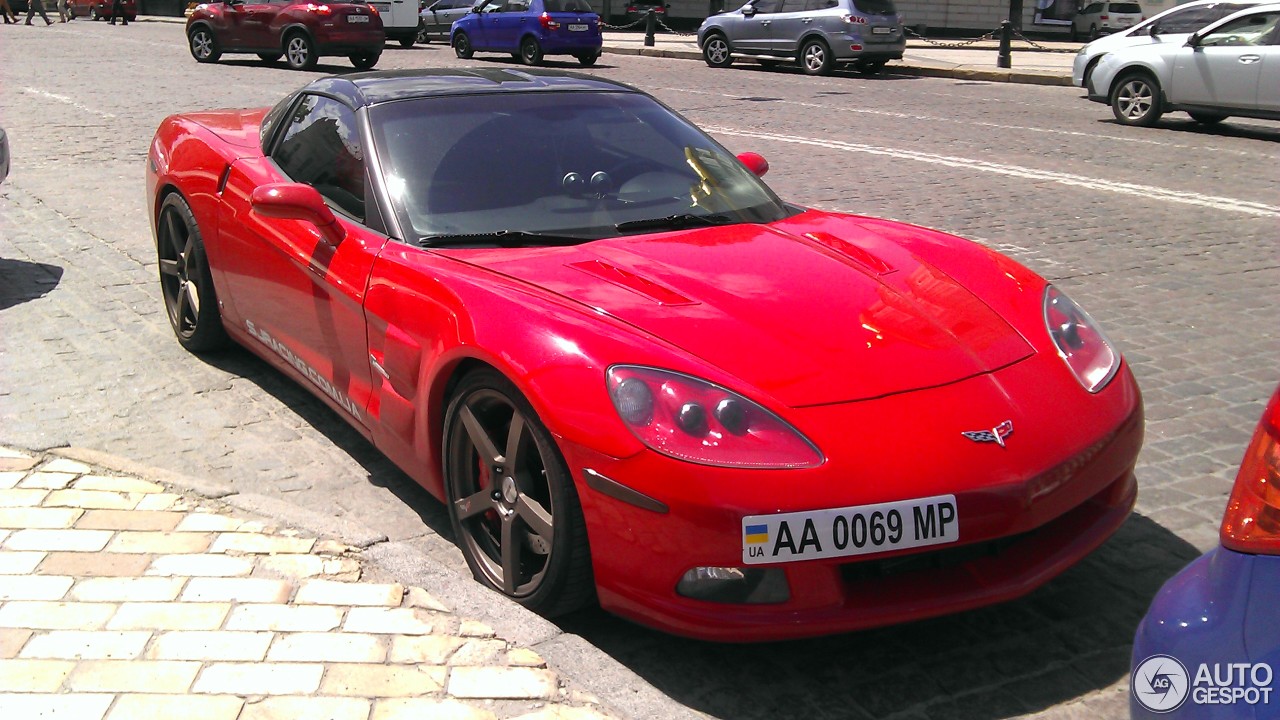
<point>21,281</point>
<point>1231,127</point>
<point>1065,640</point>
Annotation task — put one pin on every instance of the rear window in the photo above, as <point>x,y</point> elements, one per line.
<point>567,5</point>
<point>1194,18</point>
<point>1126,8</point>
<point>875,7</point>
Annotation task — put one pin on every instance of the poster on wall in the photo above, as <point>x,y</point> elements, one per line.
<point>1056,12</point>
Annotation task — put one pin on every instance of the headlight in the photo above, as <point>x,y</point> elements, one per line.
<point>696,421</point>
<point>1080,341</point>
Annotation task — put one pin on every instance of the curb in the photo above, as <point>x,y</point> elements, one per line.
<point>616,686</point>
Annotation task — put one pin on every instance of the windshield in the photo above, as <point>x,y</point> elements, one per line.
<point>557,163</point>
<point>875,7</point>
<point>1191,19</point>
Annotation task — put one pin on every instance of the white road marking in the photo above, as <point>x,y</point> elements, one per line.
<point>1144,191</point>
<point>68,101</point>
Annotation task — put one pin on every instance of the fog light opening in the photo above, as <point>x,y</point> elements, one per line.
<point>751,586</point>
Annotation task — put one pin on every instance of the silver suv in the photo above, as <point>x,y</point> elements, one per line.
<point>815,33</point>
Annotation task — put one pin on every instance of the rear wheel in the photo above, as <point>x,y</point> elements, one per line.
<point>716,51</point>
<point>299,51</point>
<point>364,59</point>
<point>1207,118</point>
<point>462,46</point>
<point>204,46</point>
<point>408,40</point>
<point>1136,100</point>
<point>530,51</point>
<point>588,59</point>
<point>93,14</point>
<point>1093,33</point>
<point>185,281</point>
<point>270,57</point>
<point>815,58</point>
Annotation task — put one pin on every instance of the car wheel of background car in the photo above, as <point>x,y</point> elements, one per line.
<point>1136,100</point>
<point>869,67</point>
<point>1075,34</point>
<point>270,57</point>
<point>204,46</point>
<point>588,59</point>
<point>716,51</point>
<point>185,281</point>
<point>462,46</point>
<point>530,51</point>
<point>407,42</point>
<point>1093,33</point>
<point>512,502</point>
<point>364,60</point>
<point>299,51</point>
<point>815,58</point>
<point>423,38</point>
<point>1207,118</point>
<point>93,14</point>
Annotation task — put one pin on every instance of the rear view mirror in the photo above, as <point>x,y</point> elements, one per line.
<point>295,201</point>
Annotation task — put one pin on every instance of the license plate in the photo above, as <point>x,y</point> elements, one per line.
<point>577,28</point>
<point>848,531</point>
<point>881,31</point>
<point>1122,22</point>
<point>357,18</point>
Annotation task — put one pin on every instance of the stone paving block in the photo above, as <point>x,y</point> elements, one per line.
<point>46,480</point>
<point>293,708</point>
<point>161,501</point>
<point>259,678</point>
<point>237,589</point>
<point>328,647</point>
<point>34,587</point>
<point>11,479</point>
<point>117,484</point>
<point>502,683</point>
<point>87,645</point>
<point>41,676</point>
<point>307,566</point>
<point>100,564</point>
<point>65,465</point>
<point>284,618</point>
<point>474,628</point>
<point>19,562</point>
<point>199,565</point>
<point>209,522</point>
<point>22,497</point>
<point>127,589</point>
<point>187,707</point>
<point>38,615</point>
<point>417,597</point>
<point>424,649</point>
<point>381,680</point>
<point>209,645</point>
<point>68,540</point>
<point>524,657</point>
<point>87,499</point>
<point>12,640</point>
<point>154,520</point>
<point>55,707</point>
<point>38,518</point>
<point>479,651</point>
<point>418,708</point>
<point>169,616</point>
<point>257,544</point>
<point>133,676</point>
<point>563,712</point>
<point>172,543</point>
<point>390,621</point>
<point>330,592</point>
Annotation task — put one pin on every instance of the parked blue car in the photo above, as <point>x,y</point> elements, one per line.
<point>530,29</point>
<point>1209,646</point>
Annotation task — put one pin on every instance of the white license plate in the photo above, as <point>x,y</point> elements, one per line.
<point>881,31</point>
<point>843,532</point>
<point>357,18</point>
<point>1122,22</point>
<point>577,28</point>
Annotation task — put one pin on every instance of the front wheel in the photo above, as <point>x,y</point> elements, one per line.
<point>270,57</point>
<point>1093,33</point>
<point>512,502</point>
<point>204,46</point>
<point>185,281</point>
<point>300,52</point>
<point>815,58</point>
<point>588,59</point>
<point>462,46</point>
<point>716,51</point>
<point>1136,100</point>
<point>365,59</point>
<point>530,51</point>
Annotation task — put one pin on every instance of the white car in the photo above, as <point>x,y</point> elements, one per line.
<point>1171,26</point>
<point>1231,67</point>
<point>1103,18</point>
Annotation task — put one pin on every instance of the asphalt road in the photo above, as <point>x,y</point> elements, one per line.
<point>1167,236</point>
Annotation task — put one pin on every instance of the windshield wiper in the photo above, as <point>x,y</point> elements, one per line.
<point>501,238</point>
<point>673,222</point>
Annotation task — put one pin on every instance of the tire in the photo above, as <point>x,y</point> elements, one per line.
<point>364,60</point>
<point>512,502</point>
<point>717,51</point>
<point>588,59</point>
<point>1093,33</point>
<point>270,57</point>
<point>299,51</point>
<point>815,58</point>
<point>185,282</point>
<point>1207,118</point>
<point>423,38</point>
<point>203,45</point>
<point>462,46</point>
<point>1135,100</point>
<point>530,51</point>
<point>408,41</point>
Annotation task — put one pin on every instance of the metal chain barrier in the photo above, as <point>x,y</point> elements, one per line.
<point>965,43</point>
<point>1018,33</point>
<point>604,24</point>
<point>674,32</point>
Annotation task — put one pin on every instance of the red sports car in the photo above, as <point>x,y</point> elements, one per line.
<point>632,372</point>
<point>300,32</point>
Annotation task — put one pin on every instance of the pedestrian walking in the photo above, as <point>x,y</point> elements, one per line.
<point>9,16</point>
<point>37,6</point>
<point>117,11</point>
<point>62,10</point>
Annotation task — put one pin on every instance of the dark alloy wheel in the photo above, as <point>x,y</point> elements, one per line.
<point>1136,100</point>
<point>185,280</point>
<point>462,46</point>
<point>93,14</point>
<point>364,60</point>
<point>716,51</point>
<point>512,502</point>
<point>299,51</point>
<point>204,46</point>
<point>815,58</point>
<point>530,51</point>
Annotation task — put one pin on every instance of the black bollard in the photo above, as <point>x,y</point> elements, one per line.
<point>650,27</point>
<point>1005,58</point>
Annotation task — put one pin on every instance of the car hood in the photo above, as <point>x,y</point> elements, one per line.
<point>234,127</point>
<point>814,312</point>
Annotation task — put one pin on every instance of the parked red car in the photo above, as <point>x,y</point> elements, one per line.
<point>300,32</point>
<point>100,9</point>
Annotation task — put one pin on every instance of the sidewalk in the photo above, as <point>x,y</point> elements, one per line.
<point>121,597</point>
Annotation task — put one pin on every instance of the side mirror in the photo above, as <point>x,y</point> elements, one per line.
<point>1193,41</point>
<point>295,201</point>
<point>1154,30</point>
<point>755,163</point>
<point>748,10</point>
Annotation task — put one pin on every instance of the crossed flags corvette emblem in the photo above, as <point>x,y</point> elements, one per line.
<point>996,434</point>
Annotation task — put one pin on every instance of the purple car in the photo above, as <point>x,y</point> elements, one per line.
<point>530,29</point>
<point>1209,646</point>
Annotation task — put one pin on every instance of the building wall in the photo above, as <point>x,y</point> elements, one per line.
<point>948,16</point>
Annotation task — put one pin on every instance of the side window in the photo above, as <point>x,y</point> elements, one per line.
<point>1094,8</point>
<point>767,6</point>
<point>1251,30</point>
<point>790,6</point>
<point>820,4</point>
<point>514,6</point>
<point>321,147</point>
<point>493,6</point>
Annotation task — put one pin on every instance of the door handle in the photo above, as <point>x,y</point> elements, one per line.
<point>806,21</point>
<point>1249,59</point>
<point>765,22</point>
